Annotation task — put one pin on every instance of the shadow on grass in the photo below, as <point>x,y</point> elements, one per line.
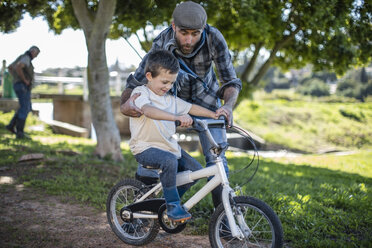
<point>68,168</point>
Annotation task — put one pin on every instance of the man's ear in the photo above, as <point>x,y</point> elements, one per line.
<point>173,26</point>
<point>148,76</point>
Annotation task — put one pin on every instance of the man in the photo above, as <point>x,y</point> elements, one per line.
<point>196,45</point>
<point>22,71</point>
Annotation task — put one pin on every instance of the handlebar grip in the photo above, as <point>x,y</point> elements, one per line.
<point>178,123</point>
<point>222,117</point>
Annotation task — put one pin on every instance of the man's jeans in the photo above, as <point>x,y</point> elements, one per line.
<point>23,93</point>
<point>219,134</point>
<point>168,164</point>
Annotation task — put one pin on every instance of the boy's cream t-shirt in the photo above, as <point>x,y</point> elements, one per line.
<point>146,132</point>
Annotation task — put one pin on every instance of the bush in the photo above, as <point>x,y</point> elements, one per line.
<point>314,87</point>
<point>354,89</point>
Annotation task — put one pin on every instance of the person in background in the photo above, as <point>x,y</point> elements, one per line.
<point>22,71</point>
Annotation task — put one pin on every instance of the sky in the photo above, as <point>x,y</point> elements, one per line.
<point>65,50</point>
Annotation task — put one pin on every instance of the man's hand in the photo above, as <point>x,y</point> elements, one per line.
<point>230,96</point>
<point>227,112</point>
<point>129,108</point>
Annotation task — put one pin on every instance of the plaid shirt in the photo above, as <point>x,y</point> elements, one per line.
<point>196,82</point>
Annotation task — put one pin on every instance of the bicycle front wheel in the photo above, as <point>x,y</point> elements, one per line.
<point>139,231</point>
<point>265,226</point>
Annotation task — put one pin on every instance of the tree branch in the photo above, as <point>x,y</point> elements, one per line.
<point>279,45</point>
<point>103,20</point>
<point>145,45</point>
<point>250,65</point>
<point>83,15</point>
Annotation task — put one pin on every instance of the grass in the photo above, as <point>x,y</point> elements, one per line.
<point>67,89</point>
<point>307,125</point>
<point>322,200</point>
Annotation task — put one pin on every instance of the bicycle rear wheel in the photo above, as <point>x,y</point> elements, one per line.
<point>266,228</point>
<point>139,231</point>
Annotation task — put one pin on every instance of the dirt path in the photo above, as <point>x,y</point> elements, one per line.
<point>31,219</point>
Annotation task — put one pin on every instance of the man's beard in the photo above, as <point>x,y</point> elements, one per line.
<point>189,49</point>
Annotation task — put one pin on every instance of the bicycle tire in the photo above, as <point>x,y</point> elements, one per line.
<point>265,225</point>
<point>138,232</point>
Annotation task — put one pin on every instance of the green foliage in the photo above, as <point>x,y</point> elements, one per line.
<point>355,84</point>
<point>274,79</point>
<point>131,16</point>
<point>354,89</point>
<point>314,87</point>
<point>10,14</point>
<point>363,75</point>
<point>302,31</point>
<point>291,122</point>
<point>63,16</point>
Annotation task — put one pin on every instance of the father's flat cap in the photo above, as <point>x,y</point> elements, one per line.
<point>189,15</point>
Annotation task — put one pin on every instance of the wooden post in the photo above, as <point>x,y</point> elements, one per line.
<point>61,89</point>
<point>118,84</point>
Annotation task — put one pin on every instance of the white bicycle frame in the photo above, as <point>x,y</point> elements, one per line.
<point>219,177</point>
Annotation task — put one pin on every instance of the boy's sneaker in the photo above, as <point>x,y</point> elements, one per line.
<point>177,213</point>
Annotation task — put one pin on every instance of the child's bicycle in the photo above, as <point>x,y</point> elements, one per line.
<point>135,212</point>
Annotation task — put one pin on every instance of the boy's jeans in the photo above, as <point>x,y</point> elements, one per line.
<point>23,93</point>
<point>169,165</point>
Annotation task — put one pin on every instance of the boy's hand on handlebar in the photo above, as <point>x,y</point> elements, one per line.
<point>129,108</point>
<point>185,120</point>
<point>227,112</point>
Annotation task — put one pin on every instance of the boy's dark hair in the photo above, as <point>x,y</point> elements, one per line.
<point>161,59</point>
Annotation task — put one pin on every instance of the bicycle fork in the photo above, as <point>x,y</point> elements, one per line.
<point>238,229</point>
<point>241,230</point>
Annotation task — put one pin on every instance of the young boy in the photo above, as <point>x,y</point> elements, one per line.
<point>152,141</point>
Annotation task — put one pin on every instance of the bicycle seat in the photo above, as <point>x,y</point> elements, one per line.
<point>146,180</point>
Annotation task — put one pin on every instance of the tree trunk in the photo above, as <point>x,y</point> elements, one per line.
<point>95,27</point>
<point>108,136</point>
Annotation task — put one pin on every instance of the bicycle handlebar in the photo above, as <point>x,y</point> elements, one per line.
<point>221,121</point>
